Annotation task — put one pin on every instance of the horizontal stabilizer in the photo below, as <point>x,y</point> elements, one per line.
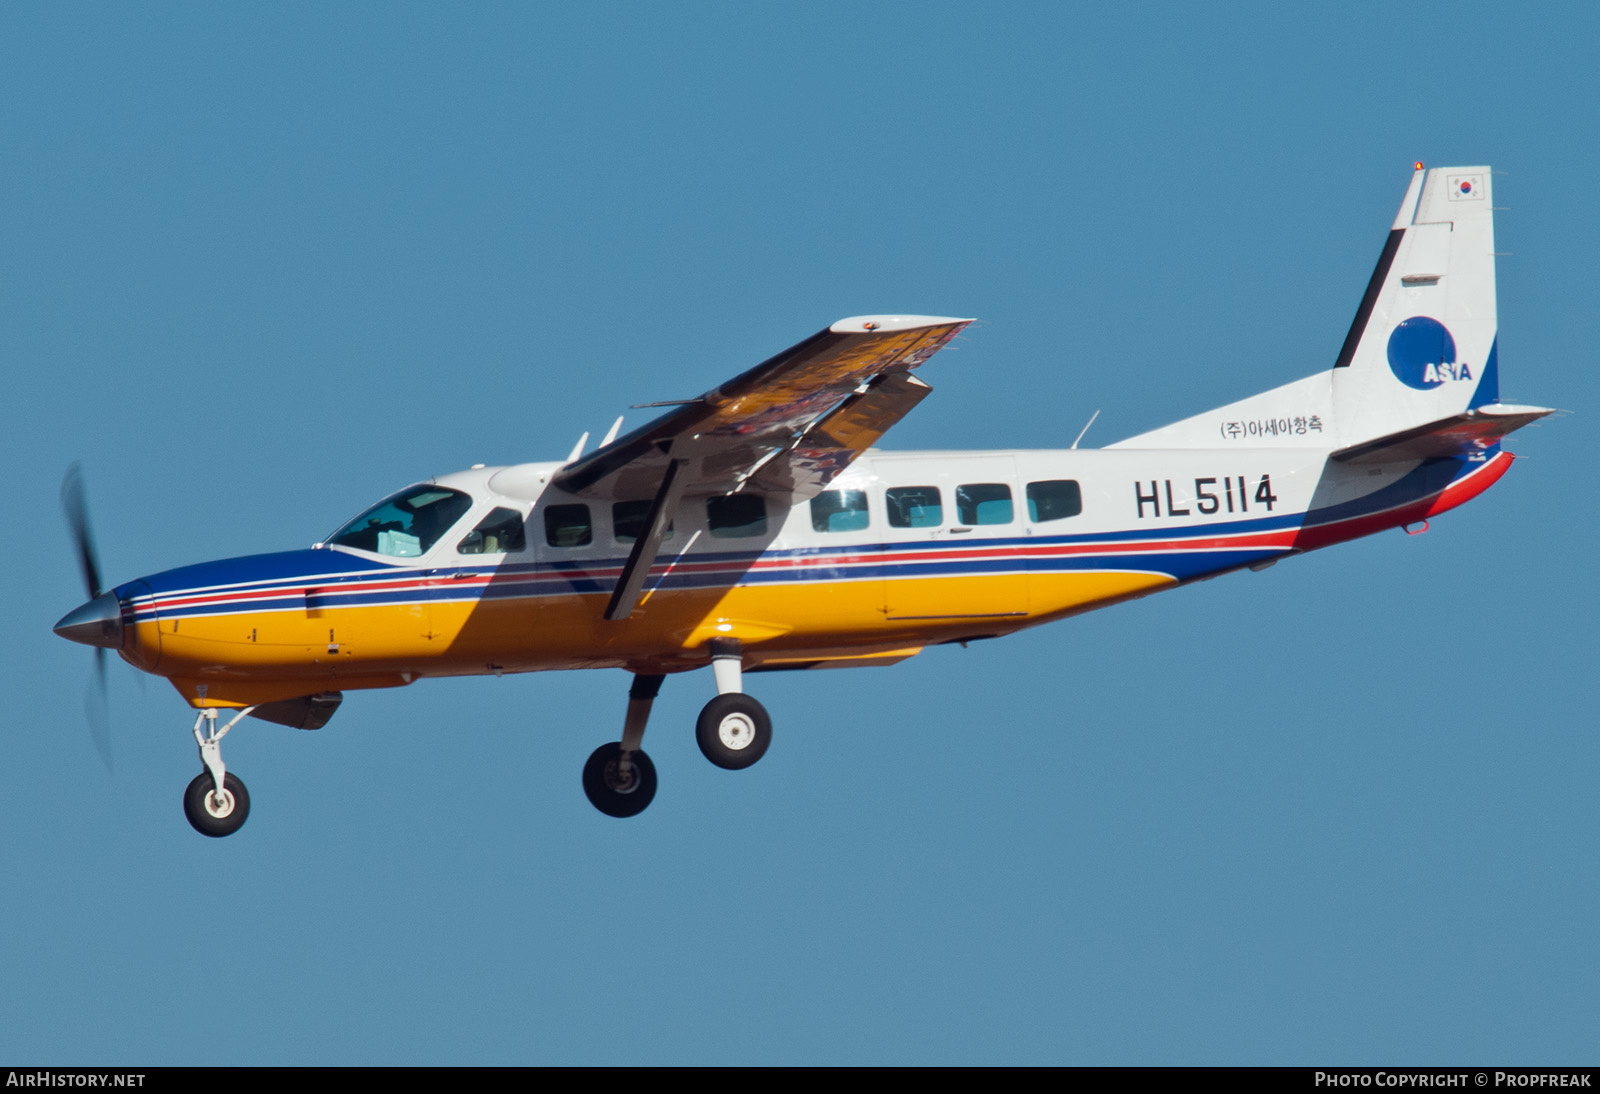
<point>1458,435</point>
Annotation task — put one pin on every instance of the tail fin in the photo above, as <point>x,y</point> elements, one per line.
<point>1421,348</point>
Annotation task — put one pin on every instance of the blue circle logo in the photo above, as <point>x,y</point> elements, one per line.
<point>1422,354</point>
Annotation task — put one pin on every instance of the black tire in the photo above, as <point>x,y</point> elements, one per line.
<point>197,807</point>
<point>733,731</point>
<point>603,783</point>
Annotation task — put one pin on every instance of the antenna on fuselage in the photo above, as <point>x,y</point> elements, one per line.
<point>1085,428</point>
<point>611,434</point>
<point>577,449</point>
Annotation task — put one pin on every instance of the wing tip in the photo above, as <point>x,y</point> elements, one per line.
<point>888,324</point>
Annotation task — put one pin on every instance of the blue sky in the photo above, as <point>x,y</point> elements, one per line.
<point>261,266</point>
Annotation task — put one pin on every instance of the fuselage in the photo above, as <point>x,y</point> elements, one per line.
<point>902,551</point>
<point>758,526</point>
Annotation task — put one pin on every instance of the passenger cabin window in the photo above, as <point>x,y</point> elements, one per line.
<point>407,524</point>
<point>736,515</point>
<point>498,533</point>
<point>1056,499</point>
<point>628,521</point>
<point>568,526</point>
<point>983,503</point>
<point>914,506</point>
<point>839,511</point>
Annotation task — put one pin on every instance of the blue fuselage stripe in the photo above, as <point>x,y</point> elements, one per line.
<point>323,579</point>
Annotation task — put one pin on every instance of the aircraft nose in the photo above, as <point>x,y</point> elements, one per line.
<point>97,622</point>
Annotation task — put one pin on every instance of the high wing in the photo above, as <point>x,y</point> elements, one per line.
<point>787,426</point>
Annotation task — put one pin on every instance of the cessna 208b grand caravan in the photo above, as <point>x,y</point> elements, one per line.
<point>758,528</point>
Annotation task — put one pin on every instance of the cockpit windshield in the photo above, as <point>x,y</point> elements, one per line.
<point>406,524</point>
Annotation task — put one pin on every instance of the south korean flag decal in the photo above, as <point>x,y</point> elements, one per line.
<point>1464,187</point>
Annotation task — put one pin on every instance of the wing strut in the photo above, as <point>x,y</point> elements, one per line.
<point>631,584</point>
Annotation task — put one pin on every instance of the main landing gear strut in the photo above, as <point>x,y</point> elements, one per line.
<point>733,731</point>
<point>216,802</point>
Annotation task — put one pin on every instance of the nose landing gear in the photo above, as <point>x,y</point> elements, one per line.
<point>212,814</point>
<point>216,802</point>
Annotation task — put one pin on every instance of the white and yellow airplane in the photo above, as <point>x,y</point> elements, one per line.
<point>758,528</point>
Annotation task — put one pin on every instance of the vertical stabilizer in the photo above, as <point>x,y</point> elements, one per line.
<point>1422,346</point>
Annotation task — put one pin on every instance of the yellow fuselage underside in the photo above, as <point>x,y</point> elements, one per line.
<point>251,657</point>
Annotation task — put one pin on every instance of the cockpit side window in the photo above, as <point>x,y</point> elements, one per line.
<point>407,524</point>
<point>496,534</point>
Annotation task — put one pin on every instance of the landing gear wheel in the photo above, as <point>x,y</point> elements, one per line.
<point>211,816</point>
<point>613,791</point>
<point>734,731</point>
